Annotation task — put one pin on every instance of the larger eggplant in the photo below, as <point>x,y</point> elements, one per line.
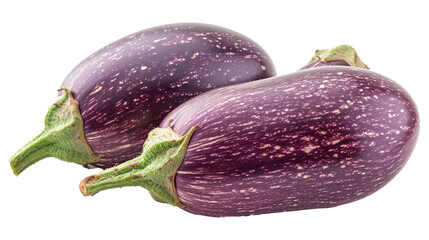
<point>117,95</point>
<point>317,138</point>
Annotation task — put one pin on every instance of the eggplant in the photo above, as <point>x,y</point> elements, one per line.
<point>316,138</point>
<point>113,98</point>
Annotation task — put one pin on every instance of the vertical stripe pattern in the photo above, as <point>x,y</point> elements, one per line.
<point>126,88</point>
<point>316,138</point>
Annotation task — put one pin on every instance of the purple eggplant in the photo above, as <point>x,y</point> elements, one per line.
<point>117,95</point>
<point>317,138</point>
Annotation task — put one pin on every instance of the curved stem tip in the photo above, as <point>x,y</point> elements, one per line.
<point>155,169</point>
<point>62,138</point>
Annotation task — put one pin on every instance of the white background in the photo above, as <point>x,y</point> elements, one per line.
<point>42,41</point>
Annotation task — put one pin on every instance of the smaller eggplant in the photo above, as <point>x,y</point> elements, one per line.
<point>114,97</point>
<point>317,138</point>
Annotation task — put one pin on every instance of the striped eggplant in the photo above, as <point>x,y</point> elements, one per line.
<point>317,138</point>
<point>117,95</point>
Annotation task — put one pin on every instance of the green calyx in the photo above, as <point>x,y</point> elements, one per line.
<point>62,138</point>
<point>155,169</point>
<point>341,53</point>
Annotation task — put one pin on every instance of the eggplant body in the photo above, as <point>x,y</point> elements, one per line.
<point>125,89</point>
<point>316,138</point>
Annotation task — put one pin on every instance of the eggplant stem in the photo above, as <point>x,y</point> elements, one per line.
<point>155,169</point>
<point>341,53</point>
<point>62,138</point>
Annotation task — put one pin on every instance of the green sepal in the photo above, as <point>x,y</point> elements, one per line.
<point>62,138</point>
<point>155,169</point>
<point>342,53</point>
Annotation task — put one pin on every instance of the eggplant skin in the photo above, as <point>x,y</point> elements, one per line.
<point>316,138</point>
<point>125,89</point>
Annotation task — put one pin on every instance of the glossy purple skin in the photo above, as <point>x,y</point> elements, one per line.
<point>316,138</point>
<point>125,89</point>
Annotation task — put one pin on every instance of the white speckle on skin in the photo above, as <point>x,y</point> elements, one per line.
<point>143,67</point>
<point>309,148</point>
<point>306,138</point>
<point>124,146</point>
<point>340,73</point>
<point>344,106</point>
<point>266,145</point>
<point>96,90</point>
<point>109,122</point>
<point>195,55</point>
<point>197,187</point>
<point>160,39</point>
